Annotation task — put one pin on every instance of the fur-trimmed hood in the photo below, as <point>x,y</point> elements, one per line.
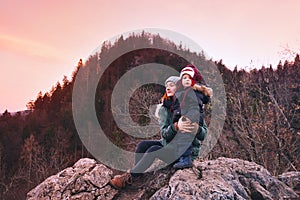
<point>205,90</point>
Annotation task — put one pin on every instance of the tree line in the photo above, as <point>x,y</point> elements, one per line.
<point>262,115</point>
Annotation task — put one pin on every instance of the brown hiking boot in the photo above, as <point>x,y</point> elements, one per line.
<point>120,181</point>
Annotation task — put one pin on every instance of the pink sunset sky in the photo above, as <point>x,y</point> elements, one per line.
<point>41,41</point>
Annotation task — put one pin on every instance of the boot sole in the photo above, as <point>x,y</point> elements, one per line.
<point>183,167</point>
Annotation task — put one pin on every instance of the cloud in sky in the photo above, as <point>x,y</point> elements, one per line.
<point>29,48</point>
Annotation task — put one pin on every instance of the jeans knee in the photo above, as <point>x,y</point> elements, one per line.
<point>153,148</point>
<point>142,147</point>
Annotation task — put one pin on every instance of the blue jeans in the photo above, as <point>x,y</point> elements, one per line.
<point>143,158</point>
<point>188,152</point>
<point>184,145</point>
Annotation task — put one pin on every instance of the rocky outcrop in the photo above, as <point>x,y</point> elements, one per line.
<point>85,180</point>
<point>292,179</point>
<point>223,178</point>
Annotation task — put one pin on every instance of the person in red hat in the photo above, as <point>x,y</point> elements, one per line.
<point>191,96</point>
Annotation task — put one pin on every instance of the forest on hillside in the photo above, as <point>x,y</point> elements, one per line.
<point>261,122</point>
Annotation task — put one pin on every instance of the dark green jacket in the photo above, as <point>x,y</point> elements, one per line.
<point>168,131</point>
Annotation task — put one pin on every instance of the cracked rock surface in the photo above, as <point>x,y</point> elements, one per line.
<point>84,180</point>
<point>225,178</point>
<point>222,178</point>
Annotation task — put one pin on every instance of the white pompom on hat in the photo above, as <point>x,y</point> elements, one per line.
<point>187,70</point>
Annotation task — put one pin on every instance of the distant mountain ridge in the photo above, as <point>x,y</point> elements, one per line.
<point>21,112</point>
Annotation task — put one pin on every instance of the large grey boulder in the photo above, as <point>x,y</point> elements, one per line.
<point>225,178</point>
<point>84,180</point>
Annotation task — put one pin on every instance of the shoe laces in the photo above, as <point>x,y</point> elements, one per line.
<point>128,178</point>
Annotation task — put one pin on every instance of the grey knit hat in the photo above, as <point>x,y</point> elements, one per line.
<point>173,79</point>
